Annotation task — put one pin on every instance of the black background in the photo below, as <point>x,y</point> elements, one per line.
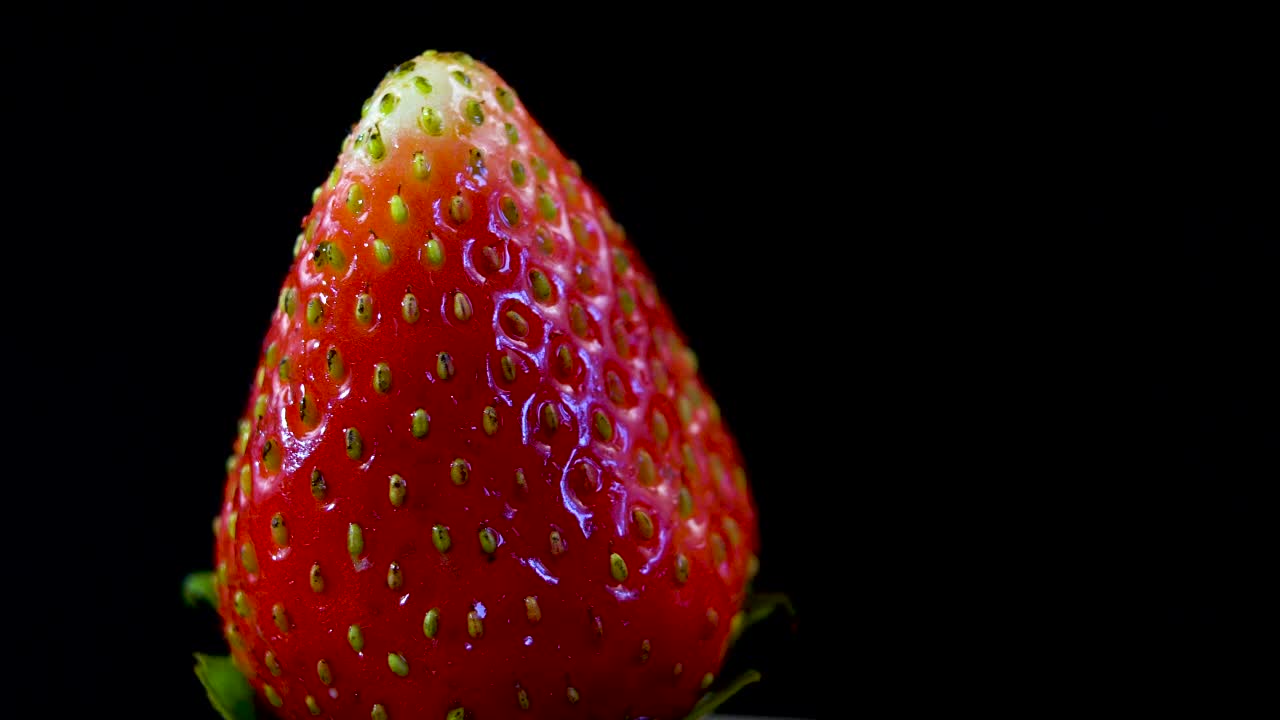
<point>991,313</point>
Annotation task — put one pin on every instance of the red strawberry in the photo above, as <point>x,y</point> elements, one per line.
<point>478,473</point>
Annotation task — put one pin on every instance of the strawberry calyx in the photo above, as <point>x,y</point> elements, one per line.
<point>760,606</point>
<point>713,700</point>
<point>199,587</point>
<point>229,692</point>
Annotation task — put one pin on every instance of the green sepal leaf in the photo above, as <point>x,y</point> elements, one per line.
<point>229,693</point>
<point>713,700</point>
<point>755,610</point>
<point>762,605</point>
<point>198,587</point>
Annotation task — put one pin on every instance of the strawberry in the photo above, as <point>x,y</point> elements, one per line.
<point>478,474</point>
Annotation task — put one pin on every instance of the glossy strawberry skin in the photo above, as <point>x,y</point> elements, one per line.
<point>561,399</point>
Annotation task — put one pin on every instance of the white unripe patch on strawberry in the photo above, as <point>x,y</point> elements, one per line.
<point>429,99</point>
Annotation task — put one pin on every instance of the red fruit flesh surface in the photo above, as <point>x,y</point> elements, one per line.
<point>622,386</point>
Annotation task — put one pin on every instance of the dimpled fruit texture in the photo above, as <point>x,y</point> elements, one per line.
<point>478,474</point>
